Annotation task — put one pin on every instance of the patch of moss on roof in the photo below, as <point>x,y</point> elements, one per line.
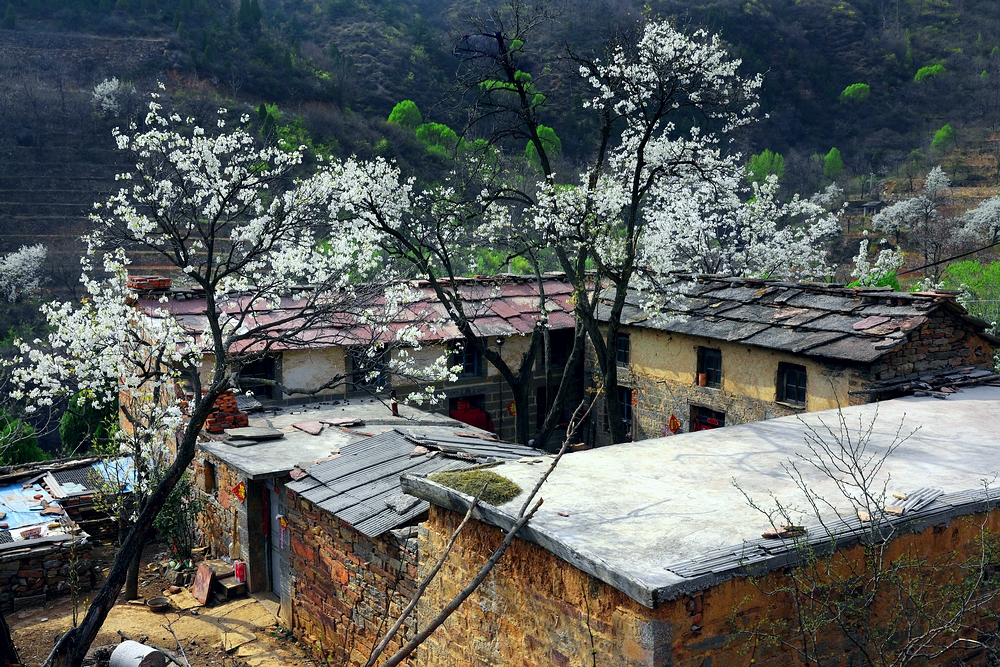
<point>499,489</point>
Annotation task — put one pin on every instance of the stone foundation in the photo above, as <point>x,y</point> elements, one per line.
<point>32,574</point>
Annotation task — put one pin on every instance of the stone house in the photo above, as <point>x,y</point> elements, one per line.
<point>312,504</point>
<point>504,309</point>
<point>674,566</point>
<point>738,350</point>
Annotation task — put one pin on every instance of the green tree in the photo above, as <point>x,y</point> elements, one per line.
<point>550,142</point>
<point>856,92</point>
<point>406,114</point>
<point>765,164</point>
<point>944,139</point>
<point>833,164</point>
<point>82,423</point>
<point>437,136</point>
<point>18,441</point>
<point>928,72</point>
<point>10,18</point>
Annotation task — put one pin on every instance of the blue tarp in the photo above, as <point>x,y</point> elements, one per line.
<point>21,506</point>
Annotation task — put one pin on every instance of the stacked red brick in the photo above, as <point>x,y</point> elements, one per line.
<point>226,414</point>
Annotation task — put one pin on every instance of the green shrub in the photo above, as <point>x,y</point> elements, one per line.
<point>406,114</point>
<point>765,164</point>
<point>82,423</point>
<point>550,142</point>
<point>856,92</point>
<point>18,442</point>
<point>177,519</point>
<point>928,72</point>
<point>944,139</point>
<point>499,490</point>
<point>437,136</point>
<point>833,164</point>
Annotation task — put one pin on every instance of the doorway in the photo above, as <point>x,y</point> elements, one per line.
<point>275,539</point>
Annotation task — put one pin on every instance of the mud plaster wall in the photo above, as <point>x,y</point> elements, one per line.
<point>536,610</point>
<point>307,369</point>
<point>223,522</point>
<point>346,588</point>
<point>663,370</point>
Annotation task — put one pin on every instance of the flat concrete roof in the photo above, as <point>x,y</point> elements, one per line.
<point>274,458</point>
<point>635,509</point>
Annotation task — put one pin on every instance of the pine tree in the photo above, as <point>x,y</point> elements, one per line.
<point>10,19</point>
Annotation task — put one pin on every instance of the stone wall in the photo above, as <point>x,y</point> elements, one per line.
<point>221,526</point>
<point>32,574</point>
<point>536,610</point>
<point>347,589</point>
<point>944,341</point>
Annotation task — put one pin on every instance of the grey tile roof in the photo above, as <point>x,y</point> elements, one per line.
<point>817,320</point>
<point>361,486</point>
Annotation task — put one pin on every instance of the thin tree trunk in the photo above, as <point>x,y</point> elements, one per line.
<point>72,647</point>
<point>8,652</point>
<point>132,576</point>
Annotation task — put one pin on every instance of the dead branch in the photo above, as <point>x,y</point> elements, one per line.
<point>523,517</point>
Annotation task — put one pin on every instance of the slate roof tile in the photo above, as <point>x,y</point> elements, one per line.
<point>831,321</point>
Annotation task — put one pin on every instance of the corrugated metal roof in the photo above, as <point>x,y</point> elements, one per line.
<point>830,321</point>
<point>361,485</point>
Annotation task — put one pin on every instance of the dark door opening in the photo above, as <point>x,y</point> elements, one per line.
<point>704,419</point>
<point>469,410</point>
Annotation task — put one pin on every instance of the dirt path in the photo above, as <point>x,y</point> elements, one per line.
<point>239,633</point>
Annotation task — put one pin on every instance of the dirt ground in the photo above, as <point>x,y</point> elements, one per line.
<point>240,633</point>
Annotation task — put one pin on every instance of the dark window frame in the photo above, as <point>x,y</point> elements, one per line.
<point>358,375</point>
<point>710,363</point>
<point>468,357</point>
<point>792,384</point>
<point>623,349</point>
<point>264,368</point>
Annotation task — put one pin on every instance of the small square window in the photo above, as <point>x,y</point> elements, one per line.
<point>623,350</point>
<point>710,363</point>
<point>468,358</point>
<point>792,384</point>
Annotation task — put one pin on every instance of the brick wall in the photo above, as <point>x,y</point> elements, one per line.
<point>32,574</point>
<point>536,610</point>
<point>347,589</point>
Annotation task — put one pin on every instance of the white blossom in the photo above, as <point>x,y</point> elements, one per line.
<point>20,271</point>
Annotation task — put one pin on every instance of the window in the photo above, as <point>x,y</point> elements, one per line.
<point>253,372</point>
<point>710,363</point>
<point>625,397</point>
<point>623,350</point>
<point>704,419</point>
<point>210,480</point>
<point>467,357</point>
<point>792,384</point>
<point>561,343</point>
<point>368,372</point>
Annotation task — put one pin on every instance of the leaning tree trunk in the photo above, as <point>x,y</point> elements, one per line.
<point>72,647</point>
<point>8,652</point>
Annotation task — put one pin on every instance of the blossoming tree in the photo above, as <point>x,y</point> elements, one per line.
<point>657,200</point>
<point>275,271</point>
